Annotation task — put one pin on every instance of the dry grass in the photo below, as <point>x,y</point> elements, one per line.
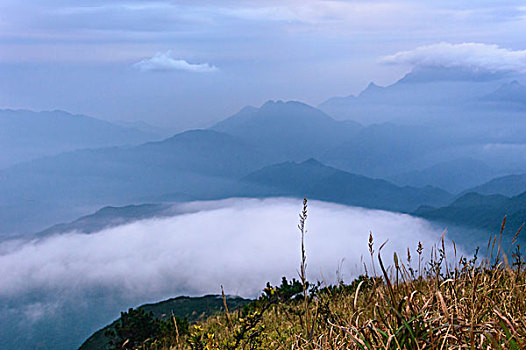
<point>455,304</point>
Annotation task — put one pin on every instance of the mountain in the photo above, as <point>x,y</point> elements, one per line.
<point>109,217</point>
<point>512,92</point>
<point>453,176</point>
<point>26,135</point>
<point>483,212</point>
<point>429,93</point>
<point>310,178</point>
<point>190,308</point>
<point>140,125</point>
<point>288,130</point>
<point>317,181</point>
<point>194,164</point>
<point>510,185</point>
<point>432,115</point>
<point>382,150</point>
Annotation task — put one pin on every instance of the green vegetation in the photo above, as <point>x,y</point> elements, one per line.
<point>151,321</point>
<point>448,302</point>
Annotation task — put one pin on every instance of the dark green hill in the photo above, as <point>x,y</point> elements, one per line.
<point>317,181</point>
<point>190,308</point>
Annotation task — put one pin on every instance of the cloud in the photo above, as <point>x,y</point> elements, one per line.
<point>238,243</point>
<point>474,56</point>
<point>165,62</point>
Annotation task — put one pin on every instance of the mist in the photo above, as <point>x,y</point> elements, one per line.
<point>238,243</point>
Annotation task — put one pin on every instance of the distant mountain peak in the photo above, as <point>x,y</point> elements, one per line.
<point>512,91</point>
<point>440,73</point>
<point>372,88</point>
<point>270,103</point>
<point>278,104</point>
<point>312,162</point>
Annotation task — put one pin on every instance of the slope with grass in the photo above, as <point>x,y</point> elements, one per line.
<point>446,302</point>
<point>186,309</point>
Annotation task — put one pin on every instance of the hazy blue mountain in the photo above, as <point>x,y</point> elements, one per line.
<point>454,176</point>
<point>513,93</point>
<point>189,308</point>
<point>510,185</point>
<point>288,130</point>
<point>310,178</point>
<point>317,181</point>
<point>432,116</point>
<point>26,135</point>
<point>387,149</point>
<point>162,132</point>
<point>424,95</point>
<point>110,217</point>
<point>193,164</point>
<point>483,212</point>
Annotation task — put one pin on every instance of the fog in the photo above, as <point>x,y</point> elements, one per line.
<point>238,243</point>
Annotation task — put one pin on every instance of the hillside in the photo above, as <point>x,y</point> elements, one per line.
<point>406,304</point>
<point>317,181</point>
<point>192,309</point>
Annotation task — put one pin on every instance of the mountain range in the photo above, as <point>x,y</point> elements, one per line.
<point>484,212</point>
<point>26,135</point>
<point>445,145</point>
<point>217,162</point>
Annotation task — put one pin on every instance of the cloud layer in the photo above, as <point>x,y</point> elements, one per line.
<point>163,61</point>
<point>238,243</point>
<point>475,56</point>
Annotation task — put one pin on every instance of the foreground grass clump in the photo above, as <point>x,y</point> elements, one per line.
<point>457,304</point>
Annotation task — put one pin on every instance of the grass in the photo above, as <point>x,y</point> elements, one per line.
<point>448,302</point>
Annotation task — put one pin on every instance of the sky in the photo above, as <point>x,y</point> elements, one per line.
<point>188,64</point>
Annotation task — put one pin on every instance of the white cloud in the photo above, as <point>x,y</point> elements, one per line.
<point>165,62</point>
<point>476,56</point>
<point>238,243</point>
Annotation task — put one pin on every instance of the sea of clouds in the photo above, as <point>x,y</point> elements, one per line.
<point>238,243</point>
